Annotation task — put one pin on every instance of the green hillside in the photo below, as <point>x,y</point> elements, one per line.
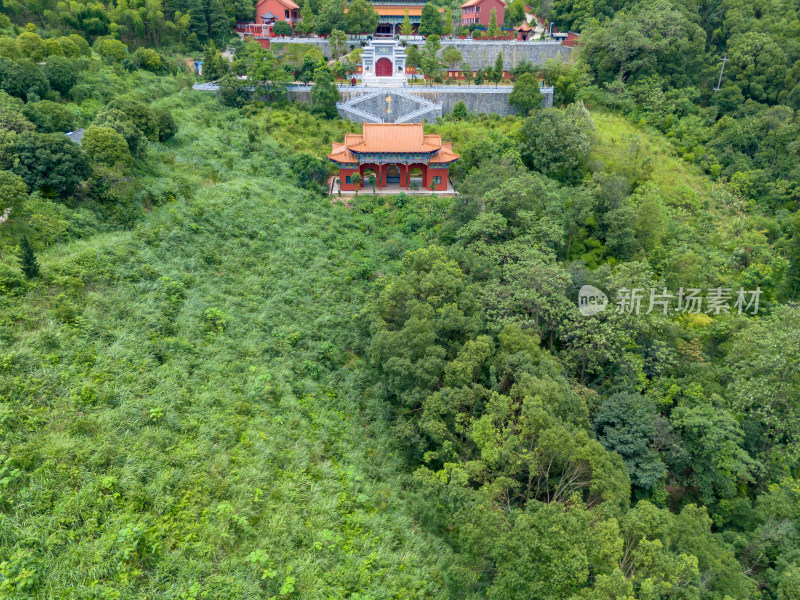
<point>177,415</point>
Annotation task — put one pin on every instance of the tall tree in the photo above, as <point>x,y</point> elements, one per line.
<point>30,265</point>
<point>324,94</point>
<point>429,60</point>
<point>430,23</point>
<point>338,43</point>
<point>498,70</point>
<point>557,142</point>
<point>451,56</point>
<point>406,28</point>
<point>447,23</point>
<point>198,24</point>
<point>493,30</point>
<point>219,23</point>
<point>361,17</point>
<point>308,20</point>
<point>331,17</point>
<point>526,95</point>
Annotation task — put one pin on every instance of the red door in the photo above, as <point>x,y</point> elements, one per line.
<point>383,68</point>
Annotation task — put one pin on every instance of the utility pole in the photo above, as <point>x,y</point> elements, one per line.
<point>724,59</point>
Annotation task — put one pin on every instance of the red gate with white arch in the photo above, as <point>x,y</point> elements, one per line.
<point>383,68</point>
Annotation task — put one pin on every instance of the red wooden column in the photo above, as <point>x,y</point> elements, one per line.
<point>381,176</point>
<point>404,180</point>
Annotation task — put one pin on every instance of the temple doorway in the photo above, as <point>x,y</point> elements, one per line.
<point>392,174</point>
<point>383,68</point>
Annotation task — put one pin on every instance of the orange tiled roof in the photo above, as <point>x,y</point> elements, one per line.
<point>473,3</point>
<point>391,10</point>
<point>445,155</point>
<point>286,3</point>
<point>392,137</point>
<point>396,137</point>
<point>523,27</point>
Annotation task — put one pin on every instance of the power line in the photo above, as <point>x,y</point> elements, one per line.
<point>724,59</point>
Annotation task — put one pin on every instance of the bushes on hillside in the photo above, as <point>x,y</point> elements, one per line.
<point>119,122</point>
<point>140,114</point>
<point>23,79</point>
<point>106,146</point>
<point>49,117</point>
<point>167,128</point>
<point>46,161</point>
<point>61,74</point>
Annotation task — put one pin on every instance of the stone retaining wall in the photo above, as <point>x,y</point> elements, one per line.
<point>477,55</point>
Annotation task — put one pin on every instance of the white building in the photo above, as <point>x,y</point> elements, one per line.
<point>383,62</point>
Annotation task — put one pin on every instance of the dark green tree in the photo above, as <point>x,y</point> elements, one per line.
<point>167,128</point>
<point>198,23</point>
<point>282,28</point>
<point>459,111</point>
<point>49,117</point>
<point>430,22</point>
<point>61,74</point>
<point>30,265</point>
<point>233,92</point>
<point>324,94</point>
<point>557,142</point>
<point>47,161</point>
<point>331,17</point>
<point>121,123</point>
<point>526,95</point>
<point>654,38</point>
<point>625,424</point>
<point>22,78</point>
<point>497,71</point>
<point>139,113</point>
<point>361,17</point>
<point>219,23</point>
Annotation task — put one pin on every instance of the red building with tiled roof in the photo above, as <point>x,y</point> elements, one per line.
<point>480,11</point>
<point>392,151</point>
<point>392,12</point>
<point>270,11</point>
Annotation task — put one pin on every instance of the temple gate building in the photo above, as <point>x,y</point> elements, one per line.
<point>383,62</point>
<point>392,151</point>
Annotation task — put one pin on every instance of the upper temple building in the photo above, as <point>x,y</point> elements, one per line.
<point>392,12</point>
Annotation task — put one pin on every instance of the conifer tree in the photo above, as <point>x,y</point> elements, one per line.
<point>308,19</point>
<point>447,25</point>
<point>497,72</point>
<point>406,28</point>
<point>493,30</point>
<point>219,23</point>
<point>198,24</point>
<point>30,266</point>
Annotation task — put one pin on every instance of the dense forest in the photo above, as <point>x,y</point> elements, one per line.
<point>216,381</point>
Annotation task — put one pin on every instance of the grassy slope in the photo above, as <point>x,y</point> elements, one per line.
<point>706,225</point>
<point>174,402</point>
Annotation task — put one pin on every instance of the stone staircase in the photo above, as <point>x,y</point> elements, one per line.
<point>368,108</point>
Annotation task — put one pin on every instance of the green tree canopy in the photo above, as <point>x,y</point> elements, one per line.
<point>47,161</point>
<point>361,17</point>
<point>557,142</point>
<point>324,94</point>
<point>653,37</point>
<point>106,146</point>
<point>526,95</point>
<point>431,21</point>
